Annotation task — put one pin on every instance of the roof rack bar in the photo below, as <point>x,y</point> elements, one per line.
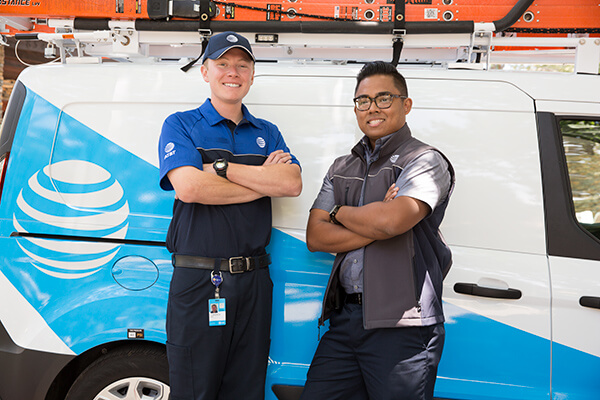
<point>328,27</point>
<point>475,50</point>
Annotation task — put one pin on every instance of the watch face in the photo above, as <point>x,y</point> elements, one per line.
<point>220,164</point>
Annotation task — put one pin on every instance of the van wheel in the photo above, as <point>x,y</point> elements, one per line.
<point>124,374</point>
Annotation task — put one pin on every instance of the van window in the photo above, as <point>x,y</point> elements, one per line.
<point>581,141</point>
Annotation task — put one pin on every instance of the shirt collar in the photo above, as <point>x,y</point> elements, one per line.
<point>249,117</point>
<point>213,117</point>
<point>383,146</point>
<point>374,154</point>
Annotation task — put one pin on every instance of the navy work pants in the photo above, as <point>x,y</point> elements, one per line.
<point>218,362</point>
<point>352,363</point>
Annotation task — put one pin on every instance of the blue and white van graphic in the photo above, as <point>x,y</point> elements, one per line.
<point>98,208</point>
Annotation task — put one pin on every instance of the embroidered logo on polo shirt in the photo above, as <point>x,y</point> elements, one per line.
<point>394,158</point>
<point>261,142</point>
<point>169,150</point>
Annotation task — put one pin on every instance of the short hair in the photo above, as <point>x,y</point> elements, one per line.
<point>382,68</point>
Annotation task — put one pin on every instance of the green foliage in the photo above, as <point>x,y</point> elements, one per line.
<point>588,130</point>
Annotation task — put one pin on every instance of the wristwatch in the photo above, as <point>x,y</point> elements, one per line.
<point>220,165</point>
<point>333,213</point>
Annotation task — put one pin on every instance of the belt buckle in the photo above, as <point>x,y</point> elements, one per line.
<point>237,265</point>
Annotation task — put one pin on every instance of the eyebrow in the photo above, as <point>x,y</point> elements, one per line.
<point>378,94</point>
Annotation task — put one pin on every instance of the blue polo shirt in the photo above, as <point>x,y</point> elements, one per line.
<point>200,136</point>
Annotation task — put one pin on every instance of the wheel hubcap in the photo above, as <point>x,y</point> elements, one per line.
<point>135,388</point>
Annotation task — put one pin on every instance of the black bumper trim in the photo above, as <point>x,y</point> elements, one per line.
<point>26,374</point>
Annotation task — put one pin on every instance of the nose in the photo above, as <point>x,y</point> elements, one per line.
<point>231,70</point>
<point>373,108</point>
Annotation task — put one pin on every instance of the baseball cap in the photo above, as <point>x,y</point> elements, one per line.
<point>222,42</point>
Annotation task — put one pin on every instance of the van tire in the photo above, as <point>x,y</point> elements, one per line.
<point>121,370</point>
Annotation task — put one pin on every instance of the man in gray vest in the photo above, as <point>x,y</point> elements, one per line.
<point>379,209</point>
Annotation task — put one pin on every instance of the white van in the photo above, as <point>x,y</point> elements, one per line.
<point>84,273</point>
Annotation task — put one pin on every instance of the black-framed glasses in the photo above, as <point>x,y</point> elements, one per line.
<point>383,101</point>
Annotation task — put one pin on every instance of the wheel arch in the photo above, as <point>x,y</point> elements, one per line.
<point>67,376</point>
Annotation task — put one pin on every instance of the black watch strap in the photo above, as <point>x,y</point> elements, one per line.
<point>333,213</point>
<point>220,166</point>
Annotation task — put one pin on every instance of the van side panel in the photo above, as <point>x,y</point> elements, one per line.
<point>574,257</point>
<point>59,197</point>
<point>24,373</point>
<point>496,348</point>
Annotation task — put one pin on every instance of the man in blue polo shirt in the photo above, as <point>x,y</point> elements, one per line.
<point>224,165</point>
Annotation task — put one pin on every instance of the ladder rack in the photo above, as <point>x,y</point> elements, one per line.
<point>467,51</point>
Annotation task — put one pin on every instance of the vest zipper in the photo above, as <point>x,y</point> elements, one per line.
<point>415,284</point>
<point>363,194</point>
<point>363,191</point>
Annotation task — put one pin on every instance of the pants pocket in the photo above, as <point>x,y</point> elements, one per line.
<point>181,377</point>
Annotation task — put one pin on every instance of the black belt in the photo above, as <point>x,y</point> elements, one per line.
<point>353,298</point>
<point>235,265</point>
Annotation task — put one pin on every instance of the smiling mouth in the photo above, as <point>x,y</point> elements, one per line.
<point>375,122</point>
<point>233,85</point>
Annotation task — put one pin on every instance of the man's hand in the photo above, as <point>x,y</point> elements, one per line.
<point>278,157</point>
<point>391,193</point>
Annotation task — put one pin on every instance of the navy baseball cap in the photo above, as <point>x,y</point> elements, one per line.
<point>222,42</point>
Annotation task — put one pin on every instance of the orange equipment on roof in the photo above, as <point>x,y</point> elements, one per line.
<point>548,16</point>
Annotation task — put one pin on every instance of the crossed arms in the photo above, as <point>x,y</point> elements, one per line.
<point>276,177</point>
<point>363,225</point>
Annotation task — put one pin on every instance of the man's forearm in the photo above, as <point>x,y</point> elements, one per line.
<point>221,191</point>
<point>322,235</point>
<point>274,180</point>
<point>383,220</point>
<point>195,186</point>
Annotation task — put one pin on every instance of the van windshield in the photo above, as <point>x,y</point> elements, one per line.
<point>581,141</point>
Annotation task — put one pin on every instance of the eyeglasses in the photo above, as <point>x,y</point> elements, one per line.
<point>383,101</point>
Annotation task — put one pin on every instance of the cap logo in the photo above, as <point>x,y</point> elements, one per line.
<point>232,39</point>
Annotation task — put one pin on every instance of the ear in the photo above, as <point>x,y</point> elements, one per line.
<point>407,105</point>
<point>204,71</point>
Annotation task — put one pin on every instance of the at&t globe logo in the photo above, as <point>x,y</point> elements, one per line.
<point>72,198</point>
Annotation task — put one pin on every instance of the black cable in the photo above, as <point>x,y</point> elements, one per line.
<point>513,15</point>
<point>288,13</point>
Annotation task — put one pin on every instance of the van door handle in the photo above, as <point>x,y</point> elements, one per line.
<point>474,289</point>
<point>590,301</point>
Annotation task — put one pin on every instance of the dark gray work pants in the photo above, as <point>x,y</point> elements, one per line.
<point>352,363</point>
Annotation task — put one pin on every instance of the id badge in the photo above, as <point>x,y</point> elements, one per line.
<point>216,312</point>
